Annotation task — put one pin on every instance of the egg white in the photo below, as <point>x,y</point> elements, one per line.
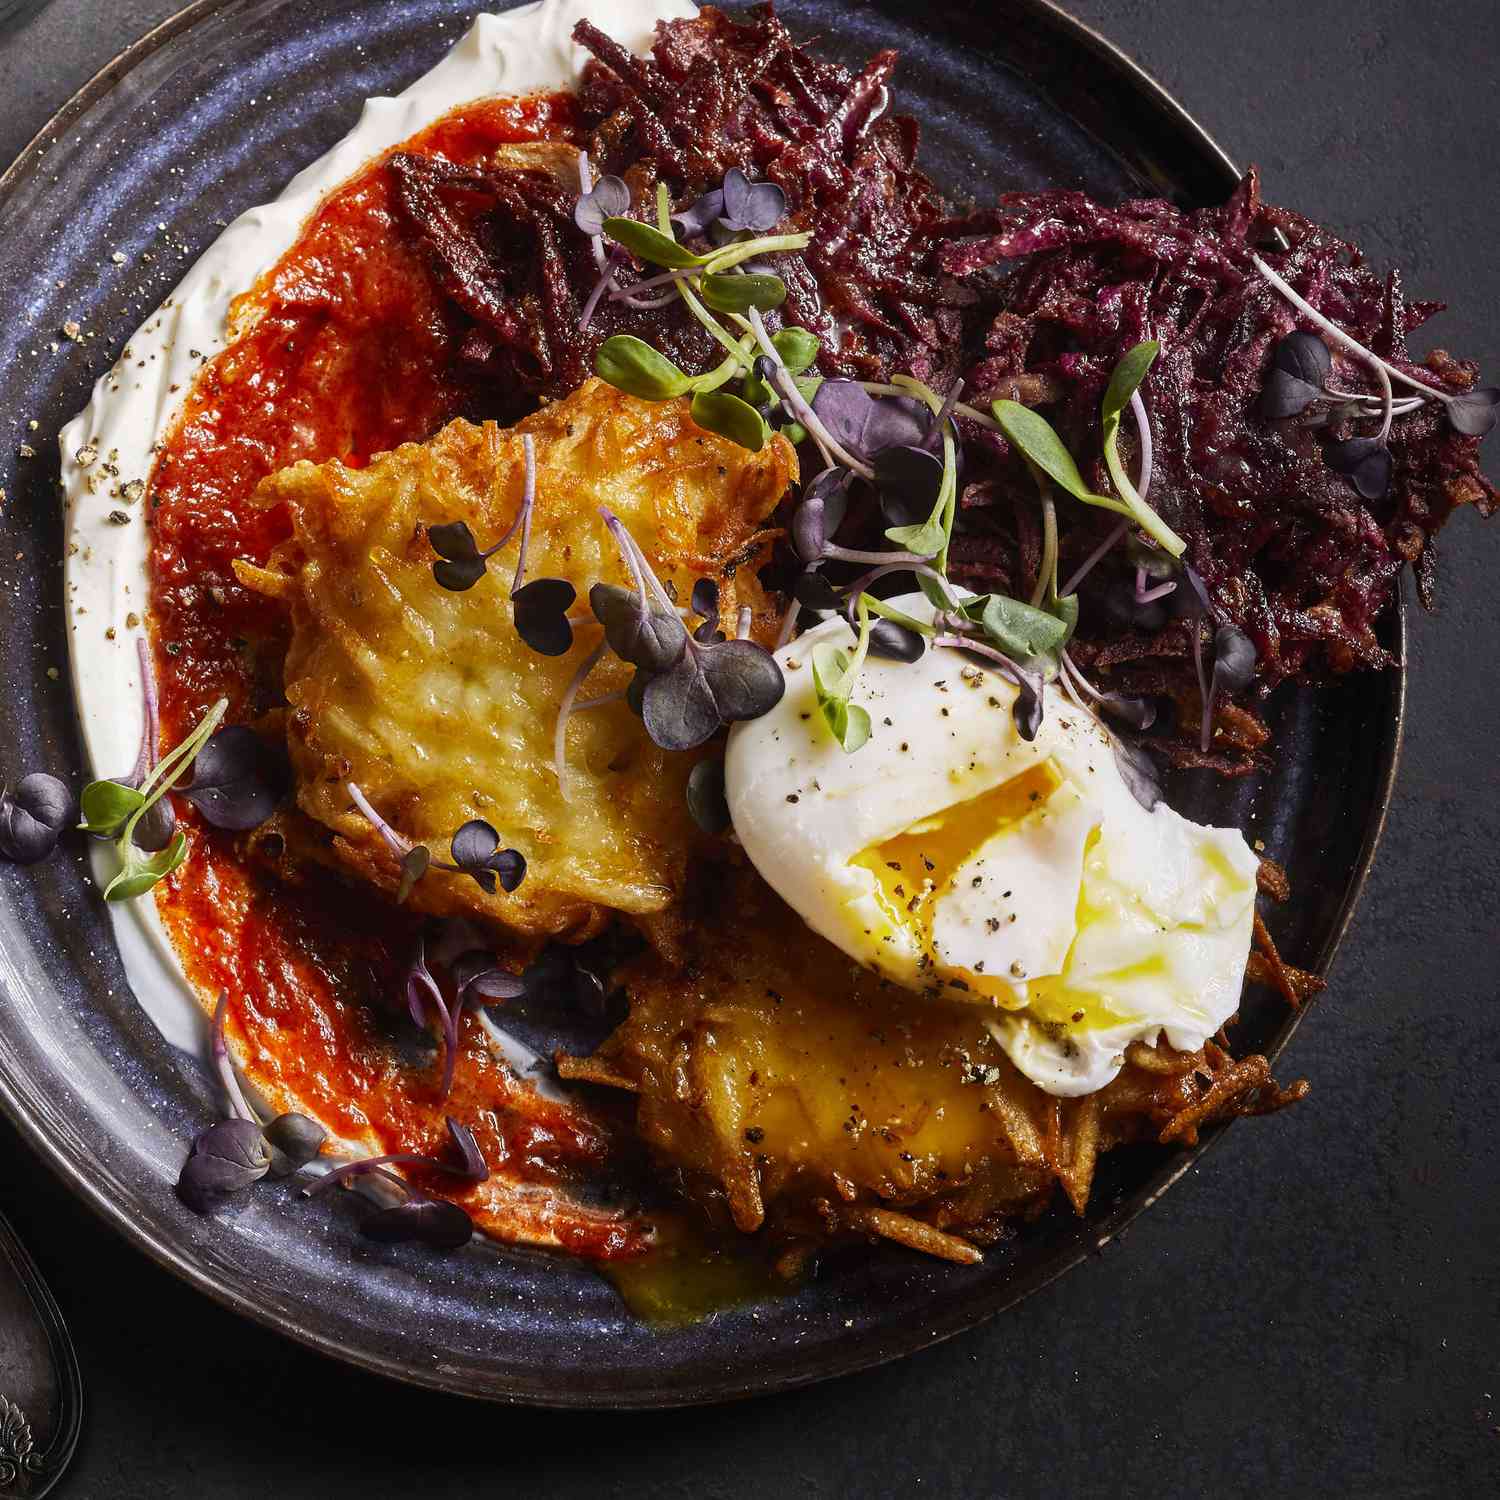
<point>962,862</point>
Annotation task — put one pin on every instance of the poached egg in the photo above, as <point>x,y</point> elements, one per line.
<point>964,863</point>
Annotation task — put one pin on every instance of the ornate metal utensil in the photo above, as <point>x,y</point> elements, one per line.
<point>41,1396</point>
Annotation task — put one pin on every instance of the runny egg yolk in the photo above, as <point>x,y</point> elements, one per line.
<point>962,862</point>
<point>913,869</point>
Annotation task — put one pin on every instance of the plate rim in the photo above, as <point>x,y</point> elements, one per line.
<point>961,1316</point>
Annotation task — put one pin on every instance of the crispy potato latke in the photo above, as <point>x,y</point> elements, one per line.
<point>792,1088</point>
<point>435,707</point>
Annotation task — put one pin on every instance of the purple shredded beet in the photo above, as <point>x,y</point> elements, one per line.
<point>1035,300</point>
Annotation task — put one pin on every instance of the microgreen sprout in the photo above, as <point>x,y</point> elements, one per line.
<point>475,849</point>
<point>1029,706</point>
<point>33,815</point>
<point>705,796</point>
<point>608,198</point>
<point>473,1168</point>
<point>1298,387</point>
<point>693,687</point>
<point>1124,385</point>
<point>113,811</point>
<point>1234,667</point>
<point>1472,413</point>
<point>433,1221</point>
<point>226,1158</point>
<point>236,1153</point>
<point>295,1141</point>
<point>719,280</point>
<point>540,608</point>
<point>835,673</point>
<point>1038,441</point>
<point>238,779</point>
<point>239,1106</point>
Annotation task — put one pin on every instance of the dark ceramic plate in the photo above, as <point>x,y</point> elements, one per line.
<point>212,113</point>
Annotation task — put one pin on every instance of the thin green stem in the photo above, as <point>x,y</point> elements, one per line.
<point>707,319</point>
<point>732,255</point>
<point>1046,575</point>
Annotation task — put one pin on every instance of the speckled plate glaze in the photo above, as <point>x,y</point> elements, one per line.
<point>210,114</point>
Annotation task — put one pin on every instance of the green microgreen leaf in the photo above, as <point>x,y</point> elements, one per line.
<point>1124,383</point>
<point>140,872</point>
<point>1020,630</point>
<point>728,368</point>
<point>633,366</point>
<point>727,415</point>
<point>651,245</point>
<point>1066,610</point>
<point>847,722</point>
<point>925,539</point>
<point>797,347</point>
<point>105,806</point>
<point>415,863</point>
<point>1129,373</point>
<point>935,591</point>
<point>1038,441</point>
<point>738,294</point>
<point>834,674</point>
<point>731,345</point>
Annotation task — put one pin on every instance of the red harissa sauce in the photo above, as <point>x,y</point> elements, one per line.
<point>344,351</point>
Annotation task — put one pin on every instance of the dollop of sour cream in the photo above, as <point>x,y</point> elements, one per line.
<point>107,450</point>
<point>966,864</point>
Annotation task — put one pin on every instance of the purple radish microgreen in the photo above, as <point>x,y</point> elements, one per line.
<point>756,207</point>
<point>820,513</point>
<point>475,847</point>
<point>710,686</point>
<point>1234,667</point>
<point>473,1168</point>
<point>1137,770</point>
<point>691,222</point>
<point>1029,706</point>
<point>693,687</point>
<point>218,1047</point>
<point>540,608</point>
<point>706,799</point>
<point>295,1141</point>
<point>226,1158</point>
<point>434,1222</point>
<point>477,853</point>
<point>609,198</point>
<point>33,815</point>
<point>1472,413</point>
<point>238,779</point>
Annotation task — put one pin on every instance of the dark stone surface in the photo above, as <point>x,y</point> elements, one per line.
<point>1317,1308</point>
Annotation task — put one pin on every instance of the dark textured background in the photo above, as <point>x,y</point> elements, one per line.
<point>1318,1307</point>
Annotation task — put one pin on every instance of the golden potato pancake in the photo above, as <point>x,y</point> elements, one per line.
<point>793,1088</point>
<point>784,1078</point>
<point>431,703</point>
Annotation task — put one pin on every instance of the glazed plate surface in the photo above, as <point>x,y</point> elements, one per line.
<point>211,114</point>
